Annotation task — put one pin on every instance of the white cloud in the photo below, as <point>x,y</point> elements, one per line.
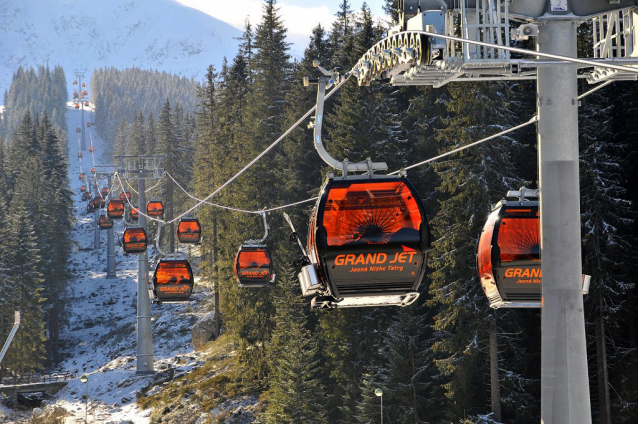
<point>299,16</point>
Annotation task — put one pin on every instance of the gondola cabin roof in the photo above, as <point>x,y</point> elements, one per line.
<point>155,208</point>
<point>189,231</point>
<point>253,266</point>
<point>368,239</point>
<point>115,209</point>
<point>105,222</point>
<point>134,240</point>
<point>173,280</point>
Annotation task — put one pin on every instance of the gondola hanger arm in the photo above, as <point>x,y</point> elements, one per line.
<point>324,82</point>
<point>263,239</point>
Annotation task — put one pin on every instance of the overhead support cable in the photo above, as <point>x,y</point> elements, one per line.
<point>534,119</point>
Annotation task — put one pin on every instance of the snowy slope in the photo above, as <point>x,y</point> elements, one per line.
<point>101,340</point>
<point>80,36</point>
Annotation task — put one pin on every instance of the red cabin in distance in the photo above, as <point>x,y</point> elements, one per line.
<point>125,195</point>
<point>253,266</point>
<point>135,213</point>
<point>115,209</point>
<point>134,240</point>
<point>189,231</point>
<point>173,280</point>
<point>105,222</point>
<point>155,208</point>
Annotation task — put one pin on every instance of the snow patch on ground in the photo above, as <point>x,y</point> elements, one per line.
<point>100,341</point>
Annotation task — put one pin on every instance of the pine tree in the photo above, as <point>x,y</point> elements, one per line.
<point>470,182</point>
<point>605,210</point>
<point>21,258</point>
<point>295,394</point>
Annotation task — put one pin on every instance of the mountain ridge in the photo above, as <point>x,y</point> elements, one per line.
<point>161,35</point>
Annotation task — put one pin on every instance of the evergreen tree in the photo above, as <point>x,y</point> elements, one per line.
<point>21,263</point>
<point>470,182</point>
<point>295,394</point>
<point>605,210</point>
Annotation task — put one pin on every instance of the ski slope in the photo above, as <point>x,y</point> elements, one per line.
<point>100,340</point>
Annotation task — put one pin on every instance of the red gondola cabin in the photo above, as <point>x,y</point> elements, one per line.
<point>509,254</point>
<point>105,192</point>
<point>155,208</point>
<point>125,195</point>
<point>134,240</point>
<point>105,222</point>
<point>173,280</point>
<point>115,209</point>
<point>135,213</point>
<point>253,266</point>
<point>367,244</point>
<point>189,231</point>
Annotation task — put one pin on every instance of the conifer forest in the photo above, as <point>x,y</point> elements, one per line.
<point>435,359</point>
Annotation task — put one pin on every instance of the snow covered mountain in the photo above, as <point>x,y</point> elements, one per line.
<point>81,36</point>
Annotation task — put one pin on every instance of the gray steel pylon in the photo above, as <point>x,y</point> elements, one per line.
<point>564,378</point>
